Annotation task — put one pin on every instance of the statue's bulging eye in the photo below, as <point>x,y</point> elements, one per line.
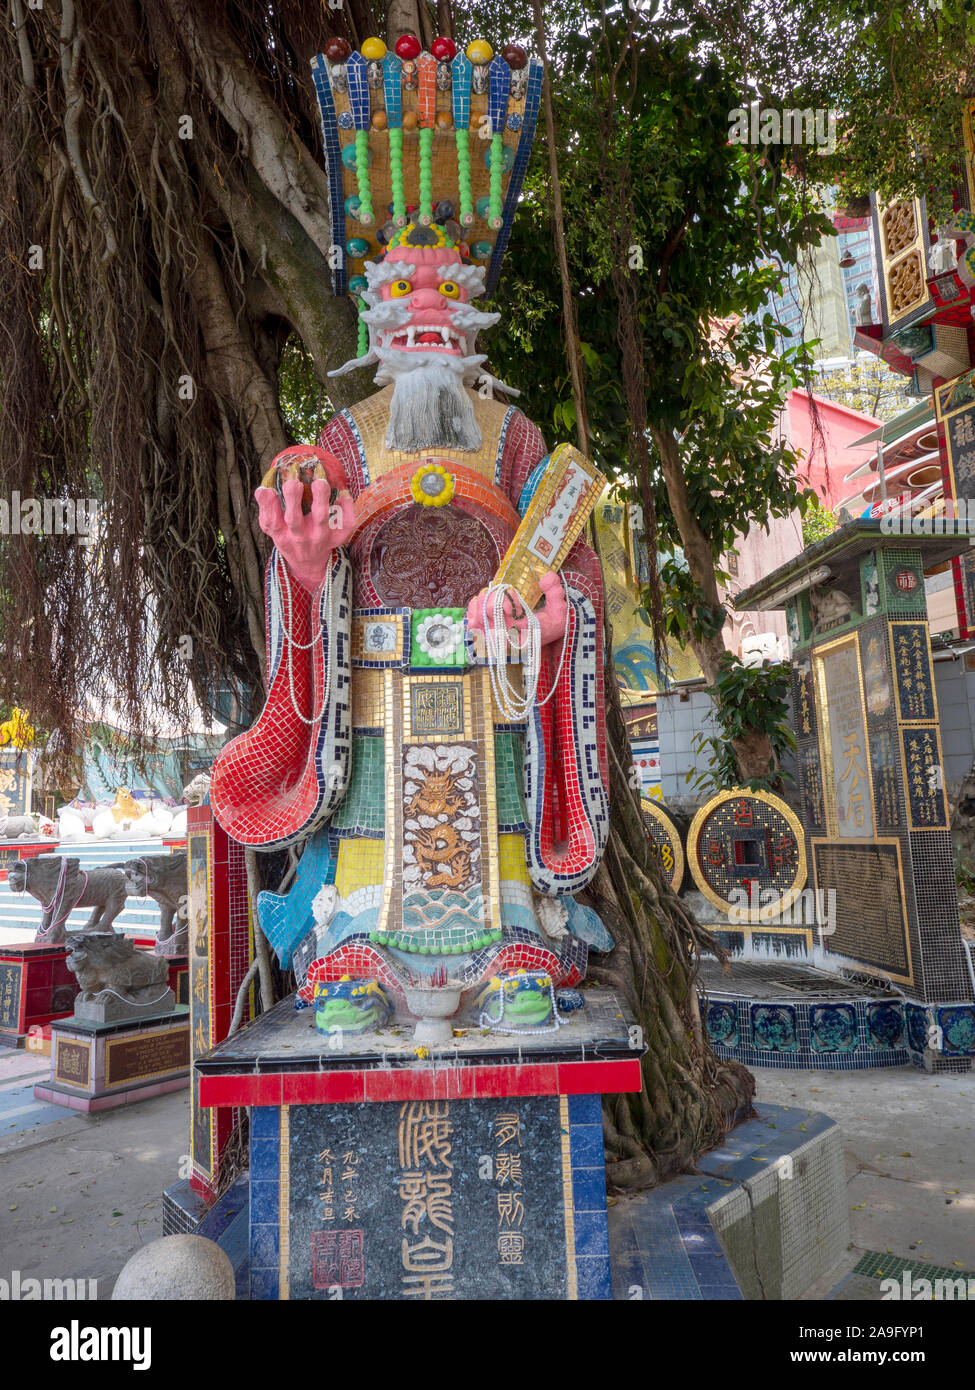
<point>400,287</point>
<point>449,289</point>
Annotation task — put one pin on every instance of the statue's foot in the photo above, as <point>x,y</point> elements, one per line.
<point>350,1006</point>
<point>520,1002</point>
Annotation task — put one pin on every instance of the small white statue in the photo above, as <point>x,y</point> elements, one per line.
<point>761,646</point>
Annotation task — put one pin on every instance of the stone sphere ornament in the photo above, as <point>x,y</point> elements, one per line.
<point>374,50</point>
<point>515,56</point>
<point>444,49</point>
<point>408,47</point>
<point>188,1269</point>
<point>337,51</point>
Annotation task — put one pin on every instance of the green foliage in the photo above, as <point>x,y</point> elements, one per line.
<point>817,521</point>
<point>303,400</point>
<point>748,700</point>
<point>708,234</point>
<point>893,71</point>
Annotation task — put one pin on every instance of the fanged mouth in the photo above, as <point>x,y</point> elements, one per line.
<point>432,337</point>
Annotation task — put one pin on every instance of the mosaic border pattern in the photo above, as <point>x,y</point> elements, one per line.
<point>836,1034</point>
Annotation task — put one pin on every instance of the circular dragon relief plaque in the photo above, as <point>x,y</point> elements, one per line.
<point>666,840</point>
<point>747,854</point>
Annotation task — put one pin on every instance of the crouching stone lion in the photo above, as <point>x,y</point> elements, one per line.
<point>116,980</point>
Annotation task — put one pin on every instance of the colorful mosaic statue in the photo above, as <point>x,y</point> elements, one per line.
<point>433,733</point>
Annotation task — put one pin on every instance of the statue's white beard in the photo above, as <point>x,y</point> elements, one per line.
<point>430,408</point>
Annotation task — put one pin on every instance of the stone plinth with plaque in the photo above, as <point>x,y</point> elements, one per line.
<point>870,787</point>
<point>477,1173</point>
<point>98,1066</point>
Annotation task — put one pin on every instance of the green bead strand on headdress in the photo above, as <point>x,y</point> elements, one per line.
<point>426,173</point>
<point>496,169</point>
<point>466,198</point>
<point>396,176</point>
<point>362,345</point>
<point>362,177</point>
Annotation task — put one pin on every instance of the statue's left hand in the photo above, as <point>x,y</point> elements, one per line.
<point>306,541</point>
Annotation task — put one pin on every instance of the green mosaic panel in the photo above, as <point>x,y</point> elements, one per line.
<point>509,778</point>
<point>418,657</point>
<point>364,805</point>
<point>897,600</point>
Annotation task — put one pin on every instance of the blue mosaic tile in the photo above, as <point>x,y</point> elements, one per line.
<point>589,1189</point>
<point>594,1278</point>
<point>264,1202</point>
<point>885,1025</point>
<point>711,1292</point>
<point>586,1147</point>
<point>957,1024</point>
<point>592,1236</point>
<point>264,1247</point>
<point>833,1027</point>
<point>264,1159</point>
<point>722,1023</point>
<point>585,1110</point>
<point>917,1027</point>
<point>264,1284</point>
<point>629,1272</point>
<point>265,1122</point>
<point>774,1027</point>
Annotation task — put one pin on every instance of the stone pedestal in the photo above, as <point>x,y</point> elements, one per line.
<point>109,1008</point>
<point>377,1173</point>
<point>97,1066</point>
<point>36,987</point>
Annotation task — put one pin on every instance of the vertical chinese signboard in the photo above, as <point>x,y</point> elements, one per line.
<point>219,954</point>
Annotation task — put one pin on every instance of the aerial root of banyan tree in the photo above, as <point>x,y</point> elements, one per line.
<point>690,1097</point>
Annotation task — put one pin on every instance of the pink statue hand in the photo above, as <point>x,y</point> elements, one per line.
<point>306,542</point>
<point>551,617</point>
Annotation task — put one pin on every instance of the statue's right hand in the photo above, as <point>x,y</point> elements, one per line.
<point>306,541</point>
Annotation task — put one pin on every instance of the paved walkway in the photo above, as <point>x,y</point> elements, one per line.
<point>910,1160</point>
<point>79,1194</point>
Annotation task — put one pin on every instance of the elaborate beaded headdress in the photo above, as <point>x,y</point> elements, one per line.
<point>415,140</point>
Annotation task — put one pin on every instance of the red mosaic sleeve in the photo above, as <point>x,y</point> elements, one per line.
<point>524,446</point>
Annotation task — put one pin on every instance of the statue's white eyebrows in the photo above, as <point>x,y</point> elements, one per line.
<point>469,277</point>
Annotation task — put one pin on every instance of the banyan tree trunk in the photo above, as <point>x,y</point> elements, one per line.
<point>690,1097</point>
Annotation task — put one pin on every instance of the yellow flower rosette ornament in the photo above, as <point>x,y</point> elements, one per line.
<point>432,486</point>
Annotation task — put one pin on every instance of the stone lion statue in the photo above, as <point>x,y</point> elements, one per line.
<point>162,877</point>
<point>60,886</point>
<point>106,963</point>
<point>197,789</point>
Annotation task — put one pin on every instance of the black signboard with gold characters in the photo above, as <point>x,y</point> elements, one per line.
<point>746,853</point>
<point>924,782</point>
<point>913,678</point>
<point>666,840</point>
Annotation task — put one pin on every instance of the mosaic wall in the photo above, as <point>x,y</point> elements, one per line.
<point>870,783</point>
